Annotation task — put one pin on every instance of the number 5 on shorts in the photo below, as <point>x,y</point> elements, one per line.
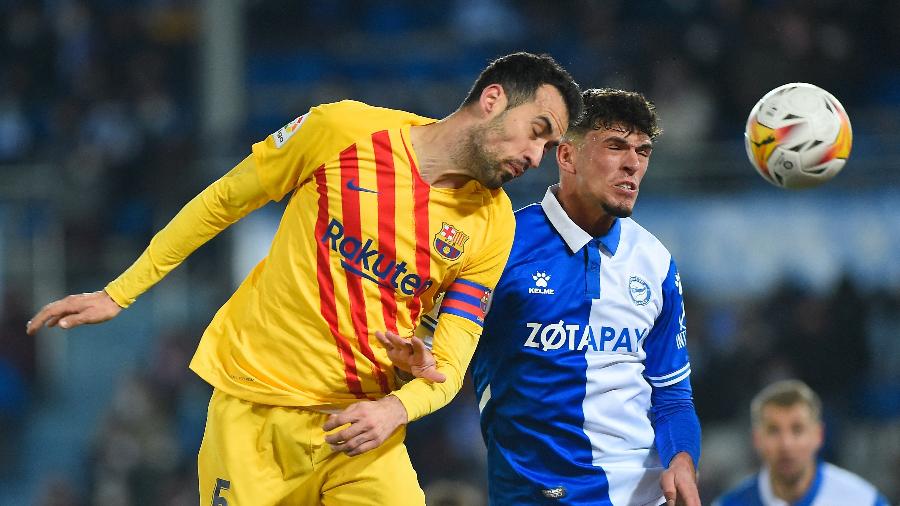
<point>221,485</point>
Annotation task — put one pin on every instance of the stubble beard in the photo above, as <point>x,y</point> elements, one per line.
<point>791,478</point>
<point>485,165</point>
<point>619,211</point>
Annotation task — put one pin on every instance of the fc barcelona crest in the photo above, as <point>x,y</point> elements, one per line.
<point>449,242</point>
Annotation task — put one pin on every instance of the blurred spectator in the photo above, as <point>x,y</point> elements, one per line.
<point>143,453</point>
<point>106,92</point>
<point>823,339</point>
<point>13,399</point>
<point>58,491</point>
<point>477,22</point>
<point>454,493</point>
<point>17,374</point>
<point>16,134</point>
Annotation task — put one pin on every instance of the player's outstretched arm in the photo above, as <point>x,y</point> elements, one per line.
<point>75,310</point>
<point>411,355</point>
<point>679,482</point>
<point>222,203</point>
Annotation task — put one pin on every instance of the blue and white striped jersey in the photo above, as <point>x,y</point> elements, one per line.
<point>832,486</point>
<point>581,333</point>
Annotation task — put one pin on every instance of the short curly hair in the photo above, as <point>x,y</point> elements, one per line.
<point>607,107</point>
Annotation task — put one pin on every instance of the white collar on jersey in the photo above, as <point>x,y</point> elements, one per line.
<point>575,236</point>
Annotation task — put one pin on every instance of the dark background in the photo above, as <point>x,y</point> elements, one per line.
<point>114,113</point>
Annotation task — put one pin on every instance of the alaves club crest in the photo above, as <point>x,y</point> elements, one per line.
<point>449,241</point>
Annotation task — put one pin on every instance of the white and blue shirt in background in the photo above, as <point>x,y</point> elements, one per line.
<point>582,370</point>
<point>832,486</point>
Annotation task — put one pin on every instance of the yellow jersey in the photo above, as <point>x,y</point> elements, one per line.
<point>364,244</point>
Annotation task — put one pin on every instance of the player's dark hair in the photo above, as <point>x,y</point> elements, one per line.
<point>607,107</point>
<point>785,393</point>
<point>521,74</point>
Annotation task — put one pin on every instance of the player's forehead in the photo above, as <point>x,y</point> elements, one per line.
<point>776,414</point>
<point>617,134</point>
<point>548,108</point>
<point>620,132</point>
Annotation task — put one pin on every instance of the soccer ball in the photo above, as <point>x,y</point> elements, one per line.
<point>798,136</point>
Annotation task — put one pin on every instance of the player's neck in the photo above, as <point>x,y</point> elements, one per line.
<point>791,491</point>
<point>593,219</point>
<point>435,144</point>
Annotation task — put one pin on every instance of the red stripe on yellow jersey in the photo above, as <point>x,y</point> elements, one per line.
<point>326,290</point>
<point>384,169</point>
<point>351,197</point>
<point>421,192</point>
<point>364,245</point>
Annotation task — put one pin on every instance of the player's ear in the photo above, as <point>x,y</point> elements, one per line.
<point>565,156</point>
<point>493,100</point>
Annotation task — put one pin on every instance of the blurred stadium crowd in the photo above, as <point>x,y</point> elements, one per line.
<point>101,136</point>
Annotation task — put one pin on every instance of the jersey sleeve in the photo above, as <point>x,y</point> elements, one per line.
<point>277,165</point>
<point>233,196</point>
<point>293,153</point>
<point>676,427</point>
<point>667,360</point>
<point>461,318</point>
<point>675,423</point>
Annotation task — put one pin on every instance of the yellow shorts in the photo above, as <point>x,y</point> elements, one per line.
<point>258,455</point>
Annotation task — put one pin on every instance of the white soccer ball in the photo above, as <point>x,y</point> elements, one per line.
<point>798,136</point>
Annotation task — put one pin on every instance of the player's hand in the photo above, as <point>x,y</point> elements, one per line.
<point>75,310</point>
<point>411,355</point>
<point>371,423</point>
<point>679,482</point>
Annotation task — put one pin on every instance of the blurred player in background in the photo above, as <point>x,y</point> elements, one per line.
<point>582,373</point>
<point>787,434</point>
<point>388,209</point>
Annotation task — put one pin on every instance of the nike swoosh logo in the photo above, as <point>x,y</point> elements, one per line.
<point>358,272</point>
<point>763,142</point>
<point>352,186</point>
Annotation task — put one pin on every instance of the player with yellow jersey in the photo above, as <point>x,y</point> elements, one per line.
<point>387,211</point>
